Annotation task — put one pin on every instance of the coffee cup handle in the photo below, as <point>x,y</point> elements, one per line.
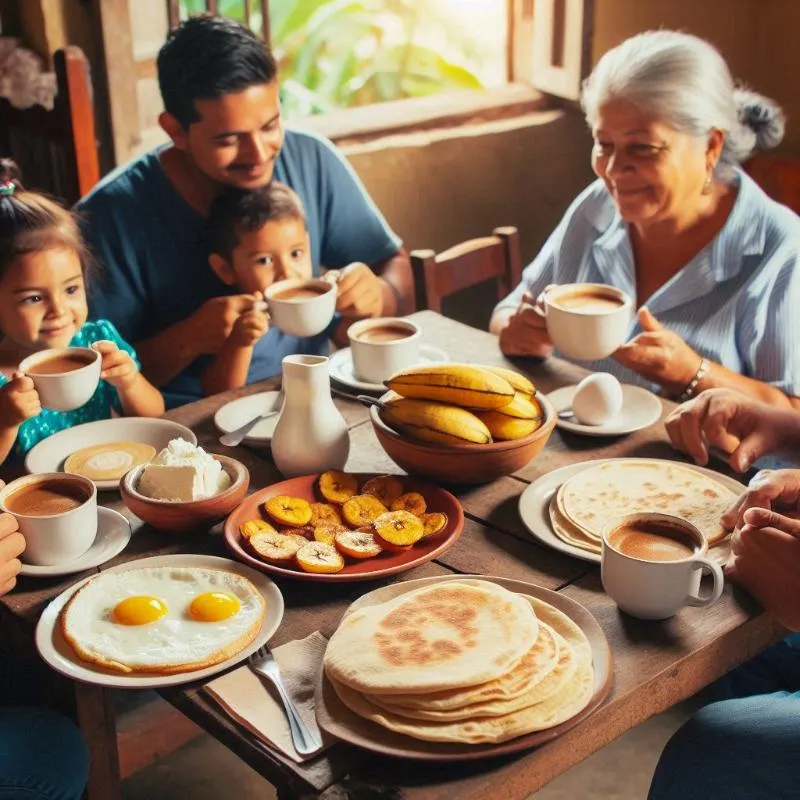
<point>539,305</point>
<point>708,567</point>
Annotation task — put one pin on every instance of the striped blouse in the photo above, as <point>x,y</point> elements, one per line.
<point>737,302</point>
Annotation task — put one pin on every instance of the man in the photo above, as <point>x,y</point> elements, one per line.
<point>744,746</point>
<point>146,225</point>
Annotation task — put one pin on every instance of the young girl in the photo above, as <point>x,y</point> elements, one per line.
<point>43,269</point>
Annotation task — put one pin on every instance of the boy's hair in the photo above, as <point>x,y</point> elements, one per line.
<point>234,212</point>
<point>31,222</point>
<point>206,57</point>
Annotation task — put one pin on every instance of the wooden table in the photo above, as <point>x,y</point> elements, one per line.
<point>656,664</point>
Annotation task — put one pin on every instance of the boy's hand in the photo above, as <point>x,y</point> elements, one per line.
<point>249,328</point>
<point>19,401</point>
<point>118,368</point>
<point>359,292</point>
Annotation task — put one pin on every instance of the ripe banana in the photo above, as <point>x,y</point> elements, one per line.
<point>456,384</point>
<point>522,407</point>
<point>434,422</point>
<point>519,382</point>
<point>506,428</point>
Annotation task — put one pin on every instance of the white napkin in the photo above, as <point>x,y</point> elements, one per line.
<point>246,697</point>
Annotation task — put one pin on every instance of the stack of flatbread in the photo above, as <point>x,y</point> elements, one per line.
<point>462,661</point>
<point>585,504</point>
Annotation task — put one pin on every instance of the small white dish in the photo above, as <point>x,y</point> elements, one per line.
<point>57,652</point>
<point>113,535</point>
<point>340,367</point>
<point>534,506</point>
<point>234,414</point>
<point>49,455</point>
<point>640,409</point>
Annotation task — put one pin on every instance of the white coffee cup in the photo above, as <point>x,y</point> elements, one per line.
<point>383,346</point>
<point>586,331</point>
<point>648,588</point>
<point>54,538</point>
<point>67,390</point>
<point>301,316</point>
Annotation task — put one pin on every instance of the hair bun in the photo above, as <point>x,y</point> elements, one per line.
<point>764,117</point>
<point>10,172</point>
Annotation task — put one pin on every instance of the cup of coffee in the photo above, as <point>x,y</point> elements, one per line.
<point>301,308</point>
<point>586,321</point>
<point>651,565</point>
<point>65,377</point>
<point>57,515</point>
<point>381,347</point>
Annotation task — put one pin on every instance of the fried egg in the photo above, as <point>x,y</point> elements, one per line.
<point>162,619</point>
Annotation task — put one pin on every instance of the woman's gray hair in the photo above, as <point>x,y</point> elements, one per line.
<point>685,82</point>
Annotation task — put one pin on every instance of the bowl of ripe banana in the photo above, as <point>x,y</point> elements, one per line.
<point>462,423</point>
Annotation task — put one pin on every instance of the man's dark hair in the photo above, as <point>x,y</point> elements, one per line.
<point>235,212</point>
<point>207,57</point>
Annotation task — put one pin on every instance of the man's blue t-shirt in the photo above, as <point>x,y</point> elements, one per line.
<point>152,249</point>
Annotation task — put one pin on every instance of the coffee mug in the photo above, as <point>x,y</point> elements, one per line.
<point>56,513</point>
<point>381,347</point>
<point>301,307</point>
<point>586,321</point>
<point>651,565</point>
<point>65,377</point>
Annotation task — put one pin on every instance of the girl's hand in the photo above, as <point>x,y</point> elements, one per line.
<point>118,368</point>
<point>525,334</point>
<point>249,328</point>
<point>19,401</point>
<point>659,355</point>
<point>359,292</point>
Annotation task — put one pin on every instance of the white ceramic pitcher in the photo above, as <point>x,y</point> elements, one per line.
<point>311,435</point>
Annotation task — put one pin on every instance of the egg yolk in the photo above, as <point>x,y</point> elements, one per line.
<point>213,607</point>
<point>139,610</point>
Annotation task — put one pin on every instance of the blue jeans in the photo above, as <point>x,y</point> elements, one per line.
<point>42,756</point>
<point>746,744</point>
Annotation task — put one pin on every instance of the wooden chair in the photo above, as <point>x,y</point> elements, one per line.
<point>56,150</point>
<point>779,177</point>
<point>466,264</point>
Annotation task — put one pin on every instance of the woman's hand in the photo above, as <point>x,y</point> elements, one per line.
<point>770,490</point>
<point>359,292</point>
<point>659,355</point>
<point>12,545</point>
<point>734,423</point>
<point>118,368</point>
<point>525,332</point>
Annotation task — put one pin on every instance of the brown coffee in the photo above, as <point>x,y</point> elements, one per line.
<point>653,541</point>
<point>46,498</point>
<point>592,302</point>
<point>304,292</point>
<point>55,365</point>
<point>379,334</point>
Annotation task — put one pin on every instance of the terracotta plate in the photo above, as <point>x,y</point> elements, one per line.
<point>334,717</point>
<point>385,564</point>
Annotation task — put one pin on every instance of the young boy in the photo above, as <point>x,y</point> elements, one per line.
<point>257,238</point>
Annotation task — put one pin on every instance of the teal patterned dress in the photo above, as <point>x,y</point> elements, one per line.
<point>100,405</point>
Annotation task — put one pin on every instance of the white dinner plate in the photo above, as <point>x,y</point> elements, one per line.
<point>113,535</point>
<point>340,367</point>
<point>534,504</point>
<point>58,653</point>
<point>49,455</point>
<point>237,412</point>
<point>640,409</point>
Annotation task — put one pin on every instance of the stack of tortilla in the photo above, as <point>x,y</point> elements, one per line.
<point>462,661</point>
<point>585,504</point>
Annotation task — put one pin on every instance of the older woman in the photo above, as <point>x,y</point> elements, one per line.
<point>711,261</point>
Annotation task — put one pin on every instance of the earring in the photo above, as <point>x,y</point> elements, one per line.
<point>709,182</point>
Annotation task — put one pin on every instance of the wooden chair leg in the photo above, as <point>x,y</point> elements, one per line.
<point>95,711</point>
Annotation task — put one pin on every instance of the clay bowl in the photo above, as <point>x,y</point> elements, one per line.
<point>466,463</point>
<point>170,516</point>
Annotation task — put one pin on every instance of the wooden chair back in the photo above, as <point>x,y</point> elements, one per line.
<point>437,276</point>
<point>56,150</point>
<point>778,176</point>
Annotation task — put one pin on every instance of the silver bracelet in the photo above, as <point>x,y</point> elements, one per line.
<point>689,391</point>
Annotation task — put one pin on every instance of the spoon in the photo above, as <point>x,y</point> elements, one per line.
<point>566,413</point>
<point>235,438</point>
<point>364,399</point>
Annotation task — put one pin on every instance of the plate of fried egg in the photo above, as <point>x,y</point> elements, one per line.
<point>159,621</point>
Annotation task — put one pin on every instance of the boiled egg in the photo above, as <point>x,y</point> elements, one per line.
<point>597,399</point>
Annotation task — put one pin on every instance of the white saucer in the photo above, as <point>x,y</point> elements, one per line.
<point>113,535</point>
<point>58,653</point>
<point>340,367</point>
<point>640,409</point>
<point>534,505</point>
<point>49,455</point>
<point>234,414</point>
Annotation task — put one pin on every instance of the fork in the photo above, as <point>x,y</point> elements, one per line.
<point>263,663</point>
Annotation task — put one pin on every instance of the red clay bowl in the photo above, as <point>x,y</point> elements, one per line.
<point>464,463</point>
<point>170,516</point>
